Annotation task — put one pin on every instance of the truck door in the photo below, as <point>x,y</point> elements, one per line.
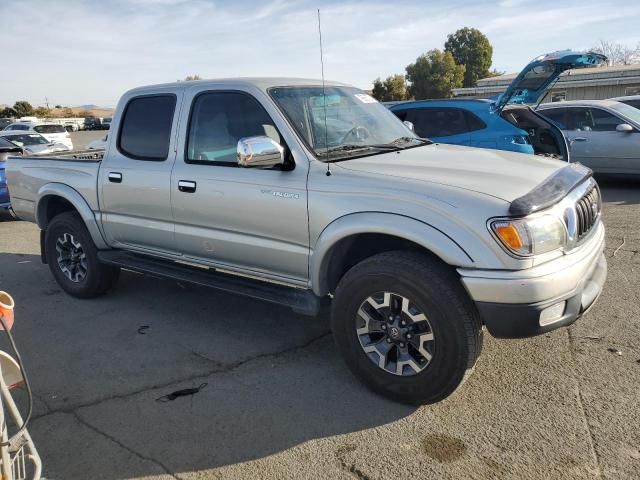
<point>135,177</point>
<point>245,219</point>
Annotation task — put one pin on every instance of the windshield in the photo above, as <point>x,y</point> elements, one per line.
<point>27,139</point>
<point>628,111</point>
<point>356,124</point>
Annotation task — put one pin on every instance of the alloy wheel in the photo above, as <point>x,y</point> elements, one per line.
<point>395,334</point>
<point>72,259</point>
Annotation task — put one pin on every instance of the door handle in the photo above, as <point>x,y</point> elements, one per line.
<point>115,177</point>
<point>186,186</point>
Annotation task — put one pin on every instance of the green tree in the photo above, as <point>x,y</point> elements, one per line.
<point>378,92</point>
<point>189,78</point>
<point>394,88</point>
<point>23,108</point>
<point>8,113</point>
<point>434,75</point>
<point>42,112</point>
<point>471,48</point>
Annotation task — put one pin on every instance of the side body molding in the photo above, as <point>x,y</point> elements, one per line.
<point>400,226</point>
<point>51,190</point>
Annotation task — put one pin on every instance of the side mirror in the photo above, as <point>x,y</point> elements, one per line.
<point>409,125</point>
<point>624,127</point>
<point>261,151</point>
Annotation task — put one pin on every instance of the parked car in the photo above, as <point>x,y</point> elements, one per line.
<point>604,134</point>
<point>19,126</point>
<point>633,100</point>
<point>5,122</point>
<point>6,149</point>
<point>415,245</point>
<point>99,144</point>
<point>54,133</point>
<point>106,123</point>
<point>33,143</point>
<point>506,123</point>
<point>92,123</point>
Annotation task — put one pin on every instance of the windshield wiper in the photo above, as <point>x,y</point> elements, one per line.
<point>401,140</point>
<point>349,147</point>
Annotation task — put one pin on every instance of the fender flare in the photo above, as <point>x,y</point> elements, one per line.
<point>50,190</point>
<point>408,228</point>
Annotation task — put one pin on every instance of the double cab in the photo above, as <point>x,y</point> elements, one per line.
<point>311,194</point>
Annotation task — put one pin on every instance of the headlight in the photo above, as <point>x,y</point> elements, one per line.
<point>531,236</point>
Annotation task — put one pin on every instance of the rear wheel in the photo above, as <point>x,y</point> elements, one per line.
<point>406,327</point>
<point>73,258</point>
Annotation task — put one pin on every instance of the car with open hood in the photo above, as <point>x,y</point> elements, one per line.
<point>506,122</point>
<point>308,194</point>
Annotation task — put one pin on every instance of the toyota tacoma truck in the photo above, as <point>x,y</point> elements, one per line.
<point>305,193</point>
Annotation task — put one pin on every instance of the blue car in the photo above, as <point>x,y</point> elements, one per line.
<point>504,123</point>
<point>7,149</point>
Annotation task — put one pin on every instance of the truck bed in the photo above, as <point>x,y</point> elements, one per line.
<point>83,155</point>
<point>31,177</point>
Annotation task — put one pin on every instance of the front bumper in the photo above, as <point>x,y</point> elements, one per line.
<point>511,303</point>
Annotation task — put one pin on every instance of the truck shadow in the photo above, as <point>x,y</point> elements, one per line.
<point>274,379</point>
<point>619,190</point>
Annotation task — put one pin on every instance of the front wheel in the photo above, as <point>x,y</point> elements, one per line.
<point>73,258</point>
<point>406,327</point>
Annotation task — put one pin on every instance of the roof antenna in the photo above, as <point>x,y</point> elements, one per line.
<point>324,100</point>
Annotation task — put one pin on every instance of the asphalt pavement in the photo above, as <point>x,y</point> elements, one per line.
<point>277,402</point>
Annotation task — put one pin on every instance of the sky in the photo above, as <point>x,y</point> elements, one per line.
<point>76,52</point>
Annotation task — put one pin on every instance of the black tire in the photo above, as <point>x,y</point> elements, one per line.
<point>90,280</point>
<point>433,288</point>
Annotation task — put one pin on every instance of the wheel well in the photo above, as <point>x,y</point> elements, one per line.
<point>352,250</point>
<point>54,206</point>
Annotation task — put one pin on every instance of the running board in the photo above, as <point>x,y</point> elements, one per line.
<point>300,300</point>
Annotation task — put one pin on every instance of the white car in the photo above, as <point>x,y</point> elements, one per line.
<point>22,126</point>
<point>33,143</point>
<point>53,132</point>
<point>99,144</point>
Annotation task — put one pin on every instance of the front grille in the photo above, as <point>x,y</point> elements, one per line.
<point>587,212</point>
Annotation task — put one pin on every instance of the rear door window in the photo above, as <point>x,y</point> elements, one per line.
<point>145,131</point>
<point>556,115</point>
<point>437,121</point>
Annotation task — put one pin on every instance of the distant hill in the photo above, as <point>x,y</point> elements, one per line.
<point>83,111</point>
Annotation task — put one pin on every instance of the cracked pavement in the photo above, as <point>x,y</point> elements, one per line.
<point>279,403</point>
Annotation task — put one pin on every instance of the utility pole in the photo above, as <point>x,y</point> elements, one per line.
<point>46,101</point>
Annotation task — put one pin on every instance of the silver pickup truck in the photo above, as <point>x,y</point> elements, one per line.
<point>305,194</point>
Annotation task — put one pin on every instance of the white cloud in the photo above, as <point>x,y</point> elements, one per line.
<point>90,52</point>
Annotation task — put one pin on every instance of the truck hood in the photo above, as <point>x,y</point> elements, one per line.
<point>540,74</point>
<point>500,174</point>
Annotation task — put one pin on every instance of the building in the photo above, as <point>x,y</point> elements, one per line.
<point>582,84</point>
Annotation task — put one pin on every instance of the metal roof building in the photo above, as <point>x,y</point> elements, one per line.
<point>582,84</point>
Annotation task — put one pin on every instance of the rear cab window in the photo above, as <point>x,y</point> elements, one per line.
<point>145,128</point>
